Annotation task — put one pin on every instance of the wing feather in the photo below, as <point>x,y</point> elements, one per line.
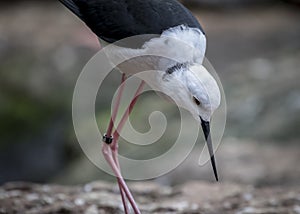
<point>113,20</point>
<point>71,5</point>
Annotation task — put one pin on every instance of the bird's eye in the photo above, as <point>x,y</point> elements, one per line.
<point>196,101</point>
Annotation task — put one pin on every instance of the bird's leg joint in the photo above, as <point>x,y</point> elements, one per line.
<point>107,139</point>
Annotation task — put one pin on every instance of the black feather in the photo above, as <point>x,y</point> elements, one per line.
<point>113,20</point>
<point>71,5</point>
<point>176,67</point>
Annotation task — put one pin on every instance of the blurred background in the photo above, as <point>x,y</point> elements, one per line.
<point>254,46</point>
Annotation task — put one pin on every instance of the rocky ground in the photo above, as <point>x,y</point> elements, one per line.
<point>192,197</point>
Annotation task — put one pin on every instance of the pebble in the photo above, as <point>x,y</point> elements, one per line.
<point>31,197</point>
<point>247,196</point>
<point>87,188</point>
<point>297,209</point>
<point>48,200</point>
<point>92,210</point>
<point>79,202</point>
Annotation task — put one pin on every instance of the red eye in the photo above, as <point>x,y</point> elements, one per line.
<point>196,101</point>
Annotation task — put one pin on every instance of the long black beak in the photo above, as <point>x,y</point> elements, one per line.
<point>206,130</point>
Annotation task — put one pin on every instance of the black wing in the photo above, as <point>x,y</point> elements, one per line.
<point>113,20</point>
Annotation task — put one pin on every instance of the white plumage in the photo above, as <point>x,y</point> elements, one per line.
<point>182,46</point>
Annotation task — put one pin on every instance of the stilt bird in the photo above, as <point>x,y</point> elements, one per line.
<point>185,80</point>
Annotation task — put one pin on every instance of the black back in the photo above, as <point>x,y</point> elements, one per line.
<point>113,20</point>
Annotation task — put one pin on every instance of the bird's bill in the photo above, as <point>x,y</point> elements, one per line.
<point>206,130</point>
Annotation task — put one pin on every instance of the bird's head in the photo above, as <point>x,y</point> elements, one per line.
<point>206,98</point>
<point>204,92</point>
<point>192,87</point>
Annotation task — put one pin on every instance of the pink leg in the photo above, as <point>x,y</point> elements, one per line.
<point>116,108</point>
<point>114,145</point>
<point>111,151</point>
<point>123,196</point>
<point>109,132</point>
<point>116,134</point>
<point>109,158</point>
